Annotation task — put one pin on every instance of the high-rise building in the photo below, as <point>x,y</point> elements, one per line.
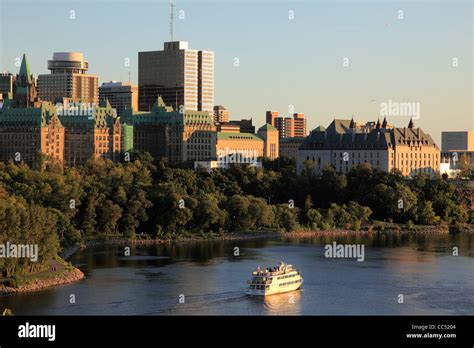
<point>344,144</point>
<point>288,127</point>
<point>205,80</point>
<point>299,125</point>
<point>121,95</point>
<point>183,77</point>
<point>68,79</point>
<point>284,126</point>
<point>221,114</point>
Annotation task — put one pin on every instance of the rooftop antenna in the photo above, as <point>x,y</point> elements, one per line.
<point>171,18</point>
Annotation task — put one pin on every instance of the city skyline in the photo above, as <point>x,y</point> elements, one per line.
<point>404,60</point>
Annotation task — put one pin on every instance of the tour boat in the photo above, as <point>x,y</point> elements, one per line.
<point>277,280</point>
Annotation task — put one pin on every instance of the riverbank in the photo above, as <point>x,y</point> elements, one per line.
<point>236,236</point>
<point>65,276</point>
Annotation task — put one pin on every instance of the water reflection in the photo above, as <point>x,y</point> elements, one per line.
<point>287,303</point>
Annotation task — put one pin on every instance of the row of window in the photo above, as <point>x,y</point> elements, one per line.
<point>290,283</point>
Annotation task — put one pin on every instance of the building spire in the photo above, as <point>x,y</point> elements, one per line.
<point>352,124</point>
<point>411,124</point>
<point>377,126</point>
<point>384,122</point>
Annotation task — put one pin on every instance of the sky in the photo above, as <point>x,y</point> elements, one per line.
<point>327,59</point>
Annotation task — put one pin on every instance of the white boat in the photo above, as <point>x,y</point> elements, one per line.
<point>277,280</point>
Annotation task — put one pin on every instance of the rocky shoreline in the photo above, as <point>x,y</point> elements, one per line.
<point>66,277</point>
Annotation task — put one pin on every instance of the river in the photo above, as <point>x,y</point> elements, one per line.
<point>200,278</point>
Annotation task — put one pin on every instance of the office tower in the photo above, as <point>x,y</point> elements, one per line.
<point>121,95</point>
<point>344,144</point>
<point>183,77</point>
<point>221,114</point>
<point>68,79</point>
<point>205,80</point>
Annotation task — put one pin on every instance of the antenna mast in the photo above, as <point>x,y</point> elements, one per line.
<point>171,18</point>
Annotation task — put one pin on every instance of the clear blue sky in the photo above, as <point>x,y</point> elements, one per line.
<point>283,61</point>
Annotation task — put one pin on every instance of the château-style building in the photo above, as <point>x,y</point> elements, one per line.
<point>64,136</point>
<point>345,143</point>
<point>178,136</point>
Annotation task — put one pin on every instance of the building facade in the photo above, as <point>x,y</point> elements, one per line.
<point>92,135</point>
<point>179,137</point>
<point>66,139</point>
<point>68,79</point>
<point>238,148</point>
<point>269,135</point>
<point>26,133</point>
<point>184,78</point>
<point>457,146</point>
<point>121,95</point>
<point>408,150</point>
<point>288,147</point>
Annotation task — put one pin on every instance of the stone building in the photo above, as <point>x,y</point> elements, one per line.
<point>344,143</point>
<point>179,137</point>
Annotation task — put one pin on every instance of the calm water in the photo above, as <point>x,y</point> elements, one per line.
<point>213,281</point>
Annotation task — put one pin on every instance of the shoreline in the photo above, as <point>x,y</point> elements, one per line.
<point>66,277</point>
<point>240,236</point>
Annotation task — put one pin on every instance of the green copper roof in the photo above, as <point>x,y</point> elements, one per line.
<point>36,117</point>
<point>97,117</point>
<point>161,114</point>
<point>267,127</point>
<point>237,136</point>
<point>24,77</point>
